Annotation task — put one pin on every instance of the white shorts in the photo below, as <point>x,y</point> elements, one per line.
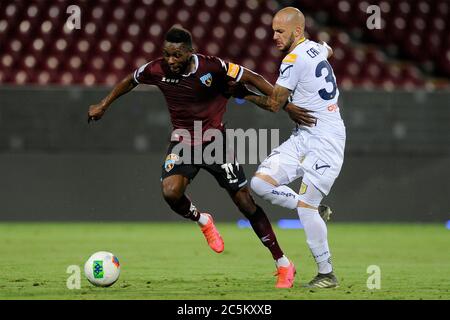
<point>317,159</point>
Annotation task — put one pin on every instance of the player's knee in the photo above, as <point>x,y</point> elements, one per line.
<point>260,187</point>
<point>245,202</point>
<point>171,192</point>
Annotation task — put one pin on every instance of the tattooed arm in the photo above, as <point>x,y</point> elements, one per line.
<point>279,99</point>
<point>272,103</point>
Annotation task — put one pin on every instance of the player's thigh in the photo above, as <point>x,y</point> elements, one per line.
<point>283,164</point>
<point>230,176</point>
<point>173,166</point>
<point>323,162</point>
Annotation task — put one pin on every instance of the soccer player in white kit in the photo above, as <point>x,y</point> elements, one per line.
<point>315,153</point>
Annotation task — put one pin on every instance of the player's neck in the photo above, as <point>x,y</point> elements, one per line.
<point>296,43</point>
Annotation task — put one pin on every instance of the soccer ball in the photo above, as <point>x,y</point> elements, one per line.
<point>102,269</point>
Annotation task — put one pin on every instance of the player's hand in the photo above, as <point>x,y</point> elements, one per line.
<point>300,115</point>
<point>96,112</point>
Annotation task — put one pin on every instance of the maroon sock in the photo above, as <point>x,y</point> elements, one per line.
<point>185,208</point>
<point>263,229</point>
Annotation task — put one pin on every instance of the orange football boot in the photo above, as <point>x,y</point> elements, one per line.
<point>212,235</point>
<point>285,276</point>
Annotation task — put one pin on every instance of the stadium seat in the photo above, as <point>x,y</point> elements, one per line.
<point>119,36</point>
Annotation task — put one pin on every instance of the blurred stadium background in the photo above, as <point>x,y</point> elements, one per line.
<point>395,99</point>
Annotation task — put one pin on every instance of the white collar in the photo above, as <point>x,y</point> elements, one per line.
<point>196,66</point>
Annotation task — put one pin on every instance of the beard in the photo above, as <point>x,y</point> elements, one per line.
<point>289,43</point>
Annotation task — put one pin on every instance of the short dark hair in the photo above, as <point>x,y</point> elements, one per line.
<point>179,35</point>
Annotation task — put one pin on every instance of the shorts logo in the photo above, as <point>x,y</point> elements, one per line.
<point>321,166</point>
<point>171,159</point>
<point>303,188</point>
<point>206,79</point>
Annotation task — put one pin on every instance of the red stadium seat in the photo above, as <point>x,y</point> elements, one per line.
<point>118,36</point>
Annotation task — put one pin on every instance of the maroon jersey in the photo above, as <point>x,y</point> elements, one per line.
<point>197,96</point>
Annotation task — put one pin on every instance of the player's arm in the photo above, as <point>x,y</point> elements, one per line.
<point>96,111</point>
<point>273,101</point>
<point>256,80</point>
<point>279,99</point>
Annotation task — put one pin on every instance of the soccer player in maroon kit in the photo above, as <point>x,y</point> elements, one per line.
<point>195,88</point>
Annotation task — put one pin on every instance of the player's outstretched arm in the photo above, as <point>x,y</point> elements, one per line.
<point>279,99</point>
<point>96,111</point>
<point>256,80</point>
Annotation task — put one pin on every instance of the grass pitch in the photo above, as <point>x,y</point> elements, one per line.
<point>172,261</point>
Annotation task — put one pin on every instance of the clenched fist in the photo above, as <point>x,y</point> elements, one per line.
<point>96,112</point>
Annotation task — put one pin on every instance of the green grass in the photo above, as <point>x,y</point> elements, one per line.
<point>172,261</point>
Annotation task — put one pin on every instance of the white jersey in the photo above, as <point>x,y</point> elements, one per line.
<point>306,72</point>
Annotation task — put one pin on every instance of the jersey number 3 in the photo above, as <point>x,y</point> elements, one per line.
<point>324,94</point>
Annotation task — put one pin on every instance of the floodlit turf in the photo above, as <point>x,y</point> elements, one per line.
<point>173,261</point>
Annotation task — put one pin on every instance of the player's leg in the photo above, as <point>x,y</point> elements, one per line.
<point>173,189</point>
<point>316,233</point>
<point>175,178</point>
<point>231,177</point>
<point>263,229</point>
<point>278,169</point>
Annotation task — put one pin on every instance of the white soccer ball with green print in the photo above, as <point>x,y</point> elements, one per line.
<point>102,269</point>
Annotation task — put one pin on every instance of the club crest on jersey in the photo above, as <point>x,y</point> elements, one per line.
<point>207,79</point>
<point>171,159</point>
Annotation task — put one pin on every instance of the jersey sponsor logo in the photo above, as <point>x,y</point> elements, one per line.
<point>207,79</point>
<point>321,166</point>
<point>233,70</point>
<point>171,160</point>
<point>333,108</point>
<point>290,58</point>
<point>169,80</point>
